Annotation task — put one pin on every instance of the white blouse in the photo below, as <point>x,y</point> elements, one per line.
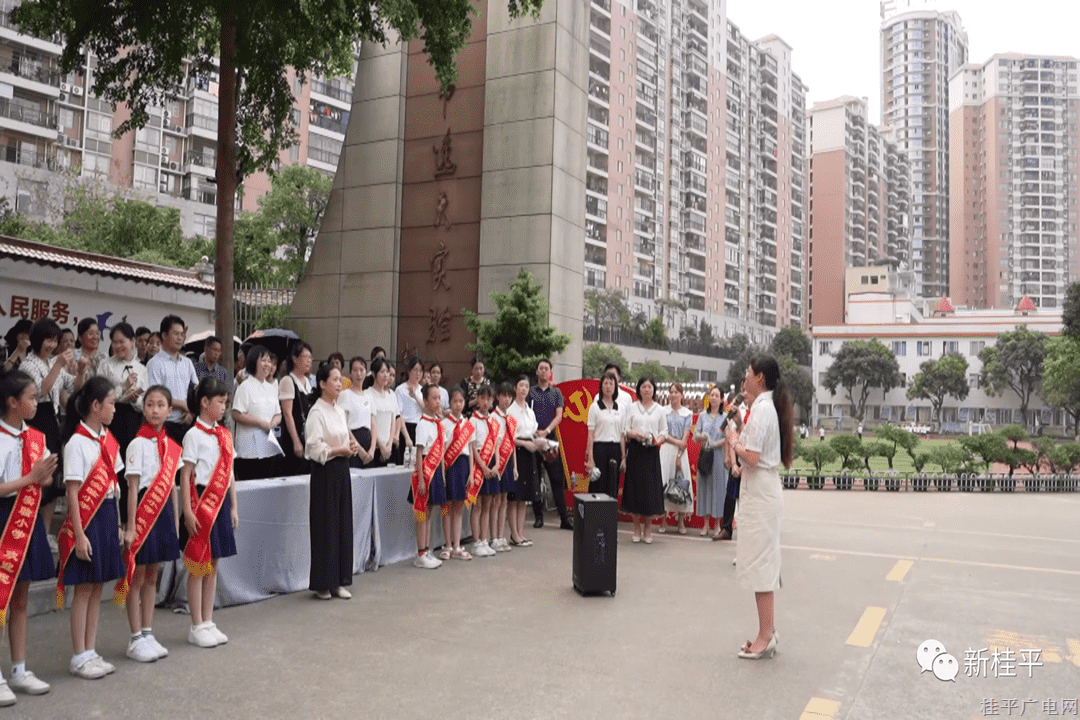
<point>81,454</point>
<point>526,420</point>
<point>411,404</point>
<point>11,454</point>
<point>39,369</point>
<point>260,400</point>
<point>143,461</point>
<point>606,423</point>
<point>288,385</point>
<point>201,450</point>
<point>117,371</point>
<point>762,432</point>
<point>481,425</point>
<point>326,428</point>
<point>638,419</point>
<point>426,432</point>
<point>357,407</point>
<point>385,407</point>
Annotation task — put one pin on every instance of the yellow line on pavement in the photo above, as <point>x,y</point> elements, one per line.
<point>819,708</point>
<point>894,556</point>
<point>900,569</point>
<point>867,627</point>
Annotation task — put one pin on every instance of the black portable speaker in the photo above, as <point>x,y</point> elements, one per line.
<point>595,545</point>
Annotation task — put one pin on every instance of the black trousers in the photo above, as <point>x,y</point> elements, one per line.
<point>330,521</point>
<point>729,504</point>
<point>607,456</point>
<point>558,487</point>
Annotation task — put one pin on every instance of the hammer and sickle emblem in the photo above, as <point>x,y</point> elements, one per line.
<point>581,414</point>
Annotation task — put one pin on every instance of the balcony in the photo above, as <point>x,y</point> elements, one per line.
<point>32,120</point>
<point>331,91</point>
<point>27,67</point>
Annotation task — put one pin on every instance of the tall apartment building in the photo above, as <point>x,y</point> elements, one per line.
<point>920,50</point>
<point>695,187</point>
<point>1013,126</point>
<point>51,124</point>
<point>860,192</point>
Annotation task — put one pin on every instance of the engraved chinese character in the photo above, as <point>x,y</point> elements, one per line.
<point>988,707</point>
<point>438,267</point>
<point>39,309</point>
<point>20,306</point>
<point>1024,709</point>
<point>442,211</point>
<point>1068,705</point>
<point>439,329</point>
<point>60,312</point>
<point>443,164</point>
<point>445,96</point>
<point>1050,707</point>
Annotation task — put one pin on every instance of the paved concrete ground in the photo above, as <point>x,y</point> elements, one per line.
<point>507,637</point>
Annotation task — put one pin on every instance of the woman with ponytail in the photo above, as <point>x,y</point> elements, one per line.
<point>766,440</point>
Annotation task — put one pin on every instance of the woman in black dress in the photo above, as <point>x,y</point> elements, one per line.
<point>643,490</point>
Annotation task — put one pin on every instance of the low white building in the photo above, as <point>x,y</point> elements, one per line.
<point>915,337</point>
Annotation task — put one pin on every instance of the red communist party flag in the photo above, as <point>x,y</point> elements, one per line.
<point>573,432</point>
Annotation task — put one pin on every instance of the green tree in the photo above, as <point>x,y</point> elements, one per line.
<point>293,211</point>
<point>794,342</point>
<point>1015,362</point>
<point>989,447</point>
<point>655,334</point>
<point>595,356</point>
<point>272,316</point>
<point>859,367</point>
<point>607,308</point>
<point>145,51</point>
<point>1065,456</point>
<point>876,449</point>
<point>817,454</point>
<point>519,336</point>
<point>1070,313</point>
<point>706,335</point>
<point>799,383</point>
<point>849,448</point>
<point>952,458</point>
<point>937,379</point>
<point>896,438</point>
<point>256,245</point>
<point>1061,375</point>
<point>653,369</point>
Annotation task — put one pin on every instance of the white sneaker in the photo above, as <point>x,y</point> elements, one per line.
<point>160,649</point>
<point>89,670</point>
<point>427,561</point>
<point>105,665</point>
<point>140,649</point>
<point>199,636</point>
<point>480,548</point>
<point>503,545</point>
<point>221,637</point>
<point>6,696</point>
<point>29,684</point>
<point>343,594</point>
<point>489,546</point>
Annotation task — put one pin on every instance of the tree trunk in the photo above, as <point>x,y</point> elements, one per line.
<point>225,173</point>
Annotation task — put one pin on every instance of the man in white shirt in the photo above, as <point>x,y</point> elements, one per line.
<point>176,372</point>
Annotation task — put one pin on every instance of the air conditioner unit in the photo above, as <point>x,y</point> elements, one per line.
<point>166,114</point>
<point>75,89</point>
<point>164,160</point>
<point>72,142</point>
<point>61,129</point>
<point>63,97</point>
<point>179,129</point>
<point>174,166</point>
<point>64,87</point>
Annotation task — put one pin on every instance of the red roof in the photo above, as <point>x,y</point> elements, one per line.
<point>944,307</point>
<point>56,256</point>
<point>1026,305</point>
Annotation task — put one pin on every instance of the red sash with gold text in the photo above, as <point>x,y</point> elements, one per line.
<point>197,555</point>
<point>431,462</point>
<point>15,540</point>
<point>153,502</point>
<point>486,453</point>
<point>463,432</point>
<point>91,495</point>
<point>506,448</point>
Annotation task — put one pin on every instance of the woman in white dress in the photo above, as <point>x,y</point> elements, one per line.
<point>766,441</point>
<point>673,454</point>
<point>385,409</point>
<point>256,411</point>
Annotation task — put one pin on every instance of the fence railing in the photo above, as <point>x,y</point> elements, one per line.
<point>634,338</point>
<point>253,300</point>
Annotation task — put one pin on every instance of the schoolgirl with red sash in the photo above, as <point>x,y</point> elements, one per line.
<point>208,505</point>
<point>505,463</point>
<point>25,463</point>
<point>457,466</point>
<point>428,486</point>
<point>152,461</point>
<point>484,482</point>
<point>90,553</point>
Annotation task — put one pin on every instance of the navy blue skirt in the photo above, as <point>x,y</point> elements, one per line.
<point>222,540</point>
<point>106,560</point>
<point>161,544</point>
<point>457,479</point>
<point>524,488</point>
<point>437,491</point>
<point>507,479</point>
<point>38,564</point>
<point>490,486</point>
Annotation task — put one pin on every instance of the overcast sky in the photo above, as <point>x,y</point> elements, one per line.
<point>836,42</point>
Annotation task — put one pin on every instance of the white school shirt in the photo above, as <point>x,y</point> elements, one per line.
<point>143,461</point>
<point>426,433</point>
<point>653,420</point>
<point>260,400</point>
<point>81,454</point>
<point>357,407</point>
<point>411,405</point>
<point>606,423</point>
<point>501,419</point>
<point>448,430</point>
<point>480,423</point>
<point>11,454</point>
<point>201,450</point>
<point>384,407</point>
<point>526,420</point>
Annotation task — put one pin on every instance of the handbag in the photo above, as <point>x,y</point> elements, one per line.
<point>705,460</point>
<point>677,490</point>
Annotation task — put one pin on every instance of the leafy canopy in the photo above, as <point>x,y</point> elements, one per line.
<point>519,336</point>
<point>817,454</point>
<point>1070,314</point>
<point>849,448</point>
<point>1061,375</point>
<point>896,438</point>
<point>794,342</point>
<point>595,356</point>
<point>799,384</point>
<point>937,379</point>
<point>1014,363</point>
<point>859,367</point>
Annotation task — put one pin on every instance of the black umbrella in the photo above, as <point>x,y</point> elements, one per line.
<point>195,344</point>
<point>276,340</point>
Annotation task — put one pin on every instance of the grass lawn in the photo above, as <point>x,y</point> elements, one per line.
<point>901,462</point>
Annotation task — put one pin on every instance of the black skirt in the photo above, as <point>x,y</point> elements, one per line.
<point>330,521</point>
<point>397,455</point>
<point>643,488</point>
<point>45,421</point>
<point>524,488</point>
<point>604,453</point>
<point>363,436</point>
<point>259,468</point>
